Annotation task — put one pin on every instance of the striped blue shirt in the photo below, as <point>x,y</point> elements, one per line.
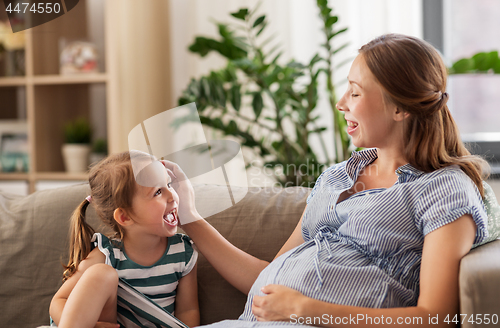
<point>366,250</point>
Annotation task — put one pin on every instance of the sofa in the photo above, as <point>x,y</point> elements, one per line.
<point>34,233</point>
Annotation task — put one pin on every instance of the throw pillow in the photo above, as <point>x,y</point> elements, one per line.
<point>493,211</point>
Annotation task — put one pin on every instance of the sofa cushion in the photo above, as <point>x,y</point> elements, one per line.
<point>33,244</point>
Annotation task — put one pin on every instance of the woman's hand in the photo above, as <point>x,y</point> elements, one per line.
<point>183,187</point>
<point>279,304</point>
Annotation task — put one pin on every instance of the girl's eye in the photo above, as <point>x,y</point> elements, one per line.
<point>158,192</point>
<point>354,95</point>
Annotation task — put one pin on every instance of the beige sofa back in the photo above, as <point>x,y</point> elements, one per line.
<point>33,244</point>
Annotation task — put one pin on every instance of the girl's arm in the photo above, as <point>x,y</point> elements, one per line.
<point>186,299</point>
<point>438,300</point>
<point>61,296</point>
<point>239,268</point>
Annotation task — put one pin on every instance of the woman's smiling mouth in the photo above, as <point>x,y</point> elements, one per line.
<point>351,127</point>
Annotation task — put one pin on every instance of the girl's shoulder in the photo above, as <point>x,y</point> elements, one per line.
<point>180,243</point>
<point>182,252</point>
<point>111,248</point>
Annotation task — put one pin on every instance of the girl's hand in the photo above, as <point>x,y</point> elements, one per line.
<point>183,187</point>
<point>279,304</point>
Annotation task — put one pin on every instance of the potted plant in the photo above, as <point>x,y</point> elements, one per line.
<point>77,147</point>
<point>278,94</point>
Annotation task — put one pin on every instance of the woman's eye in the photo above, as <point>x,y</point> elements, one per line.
<point>354,95</point>
<point>169,185</point>
<point>158,192</point>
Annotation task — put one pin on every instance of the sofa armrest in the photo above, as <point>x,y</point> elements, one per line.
<point>480,283</point>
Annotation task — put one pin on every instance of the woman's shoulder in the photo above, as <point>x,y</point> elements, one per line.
<point>449,182</point>
<point>452,174</point>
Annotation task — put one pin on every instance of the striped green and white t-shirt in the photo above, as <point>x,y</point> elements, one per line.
<point>159,281</point>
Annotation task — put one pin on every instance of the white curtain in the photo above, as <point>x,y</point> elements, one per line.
<point>139,59</point>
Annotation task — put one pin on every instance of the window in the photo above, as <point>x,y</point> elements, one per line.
<point>469,27</point>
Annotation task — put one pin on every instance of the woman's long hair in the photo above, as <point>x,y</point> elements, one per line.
<point>413,76</point>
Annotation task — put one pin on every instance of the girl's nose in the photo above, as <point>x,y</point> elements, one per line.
<point>169,194</point>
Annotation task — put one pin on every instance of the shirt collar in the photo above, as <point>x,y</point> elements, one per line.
<point>408,169</point>
<point>362,158</point>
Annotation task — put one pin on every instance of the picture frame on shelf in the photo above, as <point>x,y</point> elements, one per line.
<point>14,148</point>
<point>14,152</point>
<point>78,57</point>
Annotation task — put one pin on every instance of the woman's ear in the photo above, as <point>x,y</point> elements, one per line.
<point>122,217</point>
<point>400,115</point>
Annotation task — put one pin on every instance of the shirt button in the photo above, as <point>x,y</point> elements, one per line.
<point>398,171</point>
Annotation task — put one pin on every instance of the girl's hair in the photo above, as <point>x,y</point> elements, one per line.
<point>112,186</point>
<point>413,76</point>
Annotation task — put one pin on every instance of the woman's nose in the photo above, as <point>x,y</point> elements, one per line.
<point>341,106</point>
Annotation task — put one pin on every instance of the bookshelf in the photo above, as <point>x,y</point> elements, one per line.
<point>45,100</point>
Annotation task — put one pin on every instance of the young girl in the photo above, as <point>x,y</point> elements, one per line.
<point>144,249</point>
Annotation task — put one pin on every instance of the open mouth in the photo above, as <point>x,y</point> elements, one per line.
<point>171,218</point>
<point>351,126</point>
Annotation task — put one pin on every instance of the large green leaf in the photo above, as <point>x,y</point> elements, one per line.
<point>241,14</point>
<point>259,21</point>
<point>257,104</point>
<point>236,96</point>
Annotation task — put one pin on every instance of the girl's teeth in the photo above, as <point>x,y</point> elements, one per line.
<point>170,217</point>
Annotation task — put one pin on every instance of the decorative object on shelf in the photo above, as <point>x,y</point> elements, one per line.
<point>12,51</point>
<point>99,151</point>
<point>14,152</point>
<point>78,57</point>
<point>282,97</point>
<point>77,148</point>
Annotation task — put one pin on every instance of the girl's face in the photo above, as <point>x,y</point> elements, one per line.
<point>371,121</point>
<point>155,208</point>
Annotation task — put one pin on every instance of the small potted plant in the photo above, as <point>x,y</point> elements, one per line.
<point>99,151</point>
<point>77,147</point>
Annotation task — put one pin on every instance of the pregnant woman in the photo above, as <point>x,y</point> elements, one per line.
<point>383,233</point>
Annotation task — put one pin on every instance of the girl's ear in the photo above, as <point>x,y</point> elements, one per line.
<point>122,217</point>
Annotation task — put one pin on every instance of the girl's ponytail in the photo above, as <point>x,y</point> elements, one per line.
<point>80,235</point>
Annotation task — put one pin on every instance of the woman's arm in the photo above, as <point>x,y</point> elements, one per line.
<point>186,299</point>
<point>239,268</point>
<point>295,239</point>
<point>442,252</point>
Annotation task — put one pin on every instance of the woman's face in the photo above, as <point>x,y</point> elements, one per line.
<point>371,121</point>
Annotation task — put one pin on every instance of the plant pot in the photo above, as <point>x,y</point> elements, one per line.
<point>76,157</point>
